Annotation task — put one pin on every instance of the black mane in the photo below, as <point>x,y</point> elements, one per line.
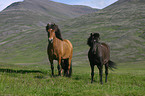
<point>54,27</point>
<point>89,41</point>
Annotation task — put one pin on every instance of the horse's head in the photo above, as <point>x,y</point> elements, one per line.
<point>50,28</point>
<point>93,41</point>
<point>53,30</point>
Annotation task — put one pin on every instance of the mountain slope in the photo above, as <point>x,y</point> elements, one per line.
<point>121,25</point>
<point>23,19</point>
<point>35,13</point>
<point>50,8</point>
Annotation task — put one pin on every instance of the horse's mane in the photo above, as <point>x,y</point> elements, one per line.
<point>54,27</point>
<point>91,37</point>
<point>57,33</point>
<point>89,41</point>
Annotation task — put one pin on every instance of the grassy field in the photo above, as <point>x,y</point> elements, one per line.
<point>36,80</point>
<point>23,44</point>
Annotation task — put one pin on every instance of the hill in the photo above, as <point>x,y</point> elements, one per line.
<point>31,14</point>
<point>22,23</point>
<point>52,9</point>
<point>121,25</point>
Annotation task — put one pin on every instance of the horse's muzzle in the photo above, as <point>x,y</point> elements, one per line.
<point>94,52</point>
<point>50,40</point>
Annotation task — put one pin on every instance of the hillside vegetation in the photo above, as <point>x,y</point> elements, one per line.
<point>121,25</point>
<point>22,27</point>
<point>24,68</point>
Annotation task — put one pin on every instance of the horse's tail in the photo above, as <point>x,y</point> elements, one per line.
<point>66,64</point>
<point>112,65</point>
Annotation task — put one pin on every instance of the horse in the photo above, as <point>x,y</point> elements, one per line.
<point>59,49</point>
<point>99,54</point>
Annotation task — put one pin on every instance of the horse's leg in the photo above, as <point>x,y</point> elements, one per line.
<point>101,72</point>
<point>70,71</point>
<point>65,67</point>
<point>52,67</point>
<point>106,71</point>
<point>92,72</point>
<point>59,71</point>
<point>69,66</point>
<point>59,67</point>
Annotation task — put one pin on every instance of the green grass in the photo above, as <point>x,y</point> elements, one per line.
<point>27,73</point>
<point>36,80</point>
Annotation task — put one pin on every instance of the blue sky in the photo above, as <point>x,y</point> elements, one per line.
<point>92,3</point>
<point>5,3</point>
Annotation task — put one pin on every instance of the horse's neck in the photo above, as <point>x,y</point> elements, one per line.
<point>56,42</point>
<point>97,44</point>
<point>97,48</point>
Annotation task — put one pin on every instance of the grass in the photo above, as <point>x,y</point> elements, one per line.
<point>36,80</point>
<point>27,43</point>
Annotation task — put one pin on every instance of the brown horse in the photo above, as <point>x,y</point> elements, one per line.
<point>59,49</point>
<point>99,54</point>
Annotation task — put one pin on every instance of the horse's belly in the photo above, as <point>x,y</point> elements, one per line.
<point>67,50</point>
<point>65,56</point>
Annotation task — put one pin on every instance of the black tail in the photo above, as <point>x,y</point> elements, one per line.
<point>112,65</point>
<point>66,64</point>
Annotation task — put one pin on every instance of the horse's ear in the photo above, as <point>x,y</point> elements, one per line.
<point>91,34</point>
<point>48,25</point>
<point>52,23</point>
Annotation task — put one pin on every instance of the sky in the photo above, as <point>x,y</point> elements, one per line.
<point>100,4</point>
<point>5,3</point>
<point>92,3</point>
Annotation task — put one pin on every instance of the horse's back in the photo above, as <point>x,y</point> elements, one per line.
<point>106,52</point>
<point>105,46</point>
<point>69,43</point>
<point>67,49</point>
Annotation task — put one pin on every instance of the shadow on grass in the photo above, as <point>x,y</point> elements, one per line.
<point>39,77</point>
<point>20,71</point>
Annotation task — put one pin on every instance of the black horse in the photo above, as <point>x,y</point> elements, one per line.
<point>99,54</point>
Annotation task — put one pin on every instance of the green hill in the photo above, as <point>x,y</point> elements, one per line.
<point>31,14</point>
<point>121,25</point>
<point>22,26</point>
